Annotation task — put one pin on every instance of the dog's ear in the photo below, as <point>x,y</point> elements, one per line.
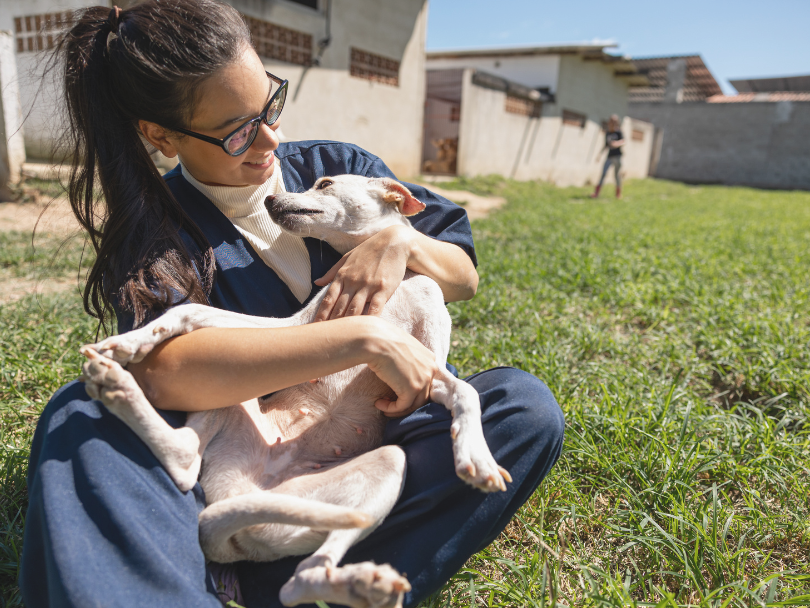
<point>399,195</point>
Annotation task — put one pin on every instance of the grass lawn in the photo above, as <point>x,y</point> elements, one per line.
<point>673,327</point>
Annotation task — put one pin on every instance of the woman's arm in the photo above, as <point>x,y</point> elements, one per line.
<point>370,273</point>
<point>214,367</point>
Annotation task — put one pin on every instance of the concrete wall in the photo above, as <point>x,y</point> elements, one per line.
<point>590,87</point>
<point>492,140</point>
<point>12,144</point>
<point>535,71</point>
<point>40,94</point>
<point>327,103</point>
<point>637,152</point>
<point>324,102</point>
<point>762,144</point>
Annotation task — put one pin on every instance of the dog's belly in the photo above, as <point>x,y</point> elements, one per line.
<point>298,431</point>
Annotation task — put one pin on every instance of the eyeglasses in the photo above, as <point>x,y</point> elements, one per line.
<point>239,140</point>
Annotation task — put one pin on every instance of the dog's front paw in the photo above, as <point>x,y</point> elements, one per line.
<point>475,463</point>
<point>105,380</point>
<point>130,347</point>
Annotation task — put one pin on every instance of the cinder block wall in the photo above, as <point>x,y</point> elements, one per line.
<point>761,144</point>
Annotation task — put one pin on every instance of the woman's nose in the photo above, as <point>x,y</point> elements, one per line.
<point>266,138</point>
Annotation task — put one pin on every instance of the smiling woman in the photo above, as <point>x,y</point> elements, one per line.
<point>183,75</point>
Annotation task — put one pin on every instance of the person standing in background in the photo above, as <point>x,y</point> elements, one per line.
<point>614,140</point>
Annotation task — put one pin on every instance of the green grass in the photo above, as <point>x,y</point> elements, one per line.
<point>48,256</point>
<point>672,326</point>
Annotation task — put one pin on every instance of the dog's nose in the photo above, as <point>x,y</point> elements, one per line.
<point>272,206</point>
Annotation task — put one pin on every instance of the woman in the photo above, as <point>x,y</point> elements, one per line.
<point>106,525</point>
<point>614,140</point>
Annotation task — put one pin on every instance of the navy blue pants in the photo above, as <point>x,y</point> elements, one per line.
<point>106,526</point>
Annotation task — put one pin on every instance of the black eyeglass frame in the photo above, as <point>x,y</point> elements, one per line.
<point>223,143</point>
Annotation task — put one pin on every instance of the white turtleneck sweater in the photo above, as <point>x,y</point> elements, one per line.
<point>286,254</point>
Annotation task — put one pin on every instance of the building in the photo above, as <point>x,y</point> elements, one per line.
<point>756,138</point>
<point>530,112</point>
<point>356,69</point>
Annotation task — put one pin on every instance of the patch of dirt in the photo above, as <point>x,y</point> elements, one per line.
<point>14,289</point>
<point>54,216</point>
<point>50,216</point>
<point>477,206</point>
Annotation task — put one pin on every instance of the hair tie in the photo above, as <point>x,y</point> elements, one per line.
<point>114,20</point>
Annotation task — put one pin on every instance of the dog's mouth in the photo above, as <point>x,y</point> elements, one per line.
<point>288,216</point>
<point>299,212</point>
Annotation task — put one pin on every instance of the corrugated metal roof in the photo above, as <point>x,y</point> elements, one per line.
<point>757,97</point>
<point>698,85</point>
<point>771,85</point>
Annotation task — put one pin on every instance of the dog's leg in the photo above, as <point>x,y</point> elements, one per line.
<point>178,450</point>
<point>134,345</point>
<point>375,480</point>
<point>474,462</point>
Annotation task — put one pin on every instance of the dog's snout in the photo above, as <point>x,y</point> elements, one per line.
<point>270,205</point>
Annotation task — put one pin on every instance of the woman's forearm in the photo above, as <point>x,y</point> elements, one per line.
<point>446,263</point>
<point>214,367</point>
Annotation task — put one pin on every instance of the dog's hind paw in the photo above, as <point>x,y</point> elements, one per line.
<point>108,382</point>
<point>176,449</point>
<point>364,585</point>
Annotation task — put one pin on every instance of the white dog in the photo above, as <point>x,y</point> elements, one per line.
<point>302,470</point>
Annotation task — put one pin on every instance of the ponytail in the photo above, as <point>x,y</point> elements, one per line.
<point>143,63</point>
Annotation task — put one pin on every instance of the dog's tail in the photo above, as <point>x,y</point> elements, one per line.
<point>220,521</point>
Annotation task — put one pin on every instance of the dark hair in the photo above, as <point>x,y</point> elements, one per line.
<point>143,63</point>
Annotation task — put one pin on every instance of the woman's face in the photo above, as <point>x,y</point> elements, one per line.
<point>229,98</point>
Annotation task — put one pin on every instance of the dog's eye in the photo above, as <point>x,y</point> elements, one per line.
<point>324,184</point>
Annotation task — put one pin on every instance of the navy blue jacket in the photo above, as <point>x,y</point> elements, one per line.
<point>244,283</point>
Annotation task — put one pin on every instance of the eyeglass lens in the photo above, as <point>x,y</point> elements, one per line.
<point>241,140</point>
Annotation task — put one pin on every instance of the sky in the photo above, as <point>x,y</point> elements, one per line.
<point>737,39</point>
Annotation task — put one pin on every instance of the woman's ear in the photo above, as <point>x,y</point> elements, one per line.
<point>158,137</point>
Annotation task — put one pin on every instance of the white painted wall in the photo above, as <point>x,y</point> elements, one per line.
<point>590,87</point>
<point>528,148</point>
<point>533,71</point>
<point>40,96</point>
<point>636,155</point>
<point>12,144</point>
<point>325,102</point>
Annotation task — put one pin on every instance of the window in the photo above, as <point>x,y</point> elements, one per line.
<point>574,119</point>
<point>374,67</point>
<point>638,135</point>
<point>524,107</point>
<point>276,42</point>
<point>40,32</point>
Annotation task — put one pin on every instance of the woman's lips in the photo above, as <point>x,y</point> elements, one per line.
<point>263,165</point>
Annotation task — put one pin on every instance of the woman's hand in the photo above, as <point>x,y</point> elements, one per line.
<point>366,276</point>
<point>405,365</point>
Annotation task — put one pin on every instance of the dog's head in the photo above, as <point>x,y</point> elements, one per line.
<point>344,210</point>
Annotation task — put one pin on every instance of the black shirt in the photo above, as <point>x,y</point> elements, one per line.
<point>613,136</point>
